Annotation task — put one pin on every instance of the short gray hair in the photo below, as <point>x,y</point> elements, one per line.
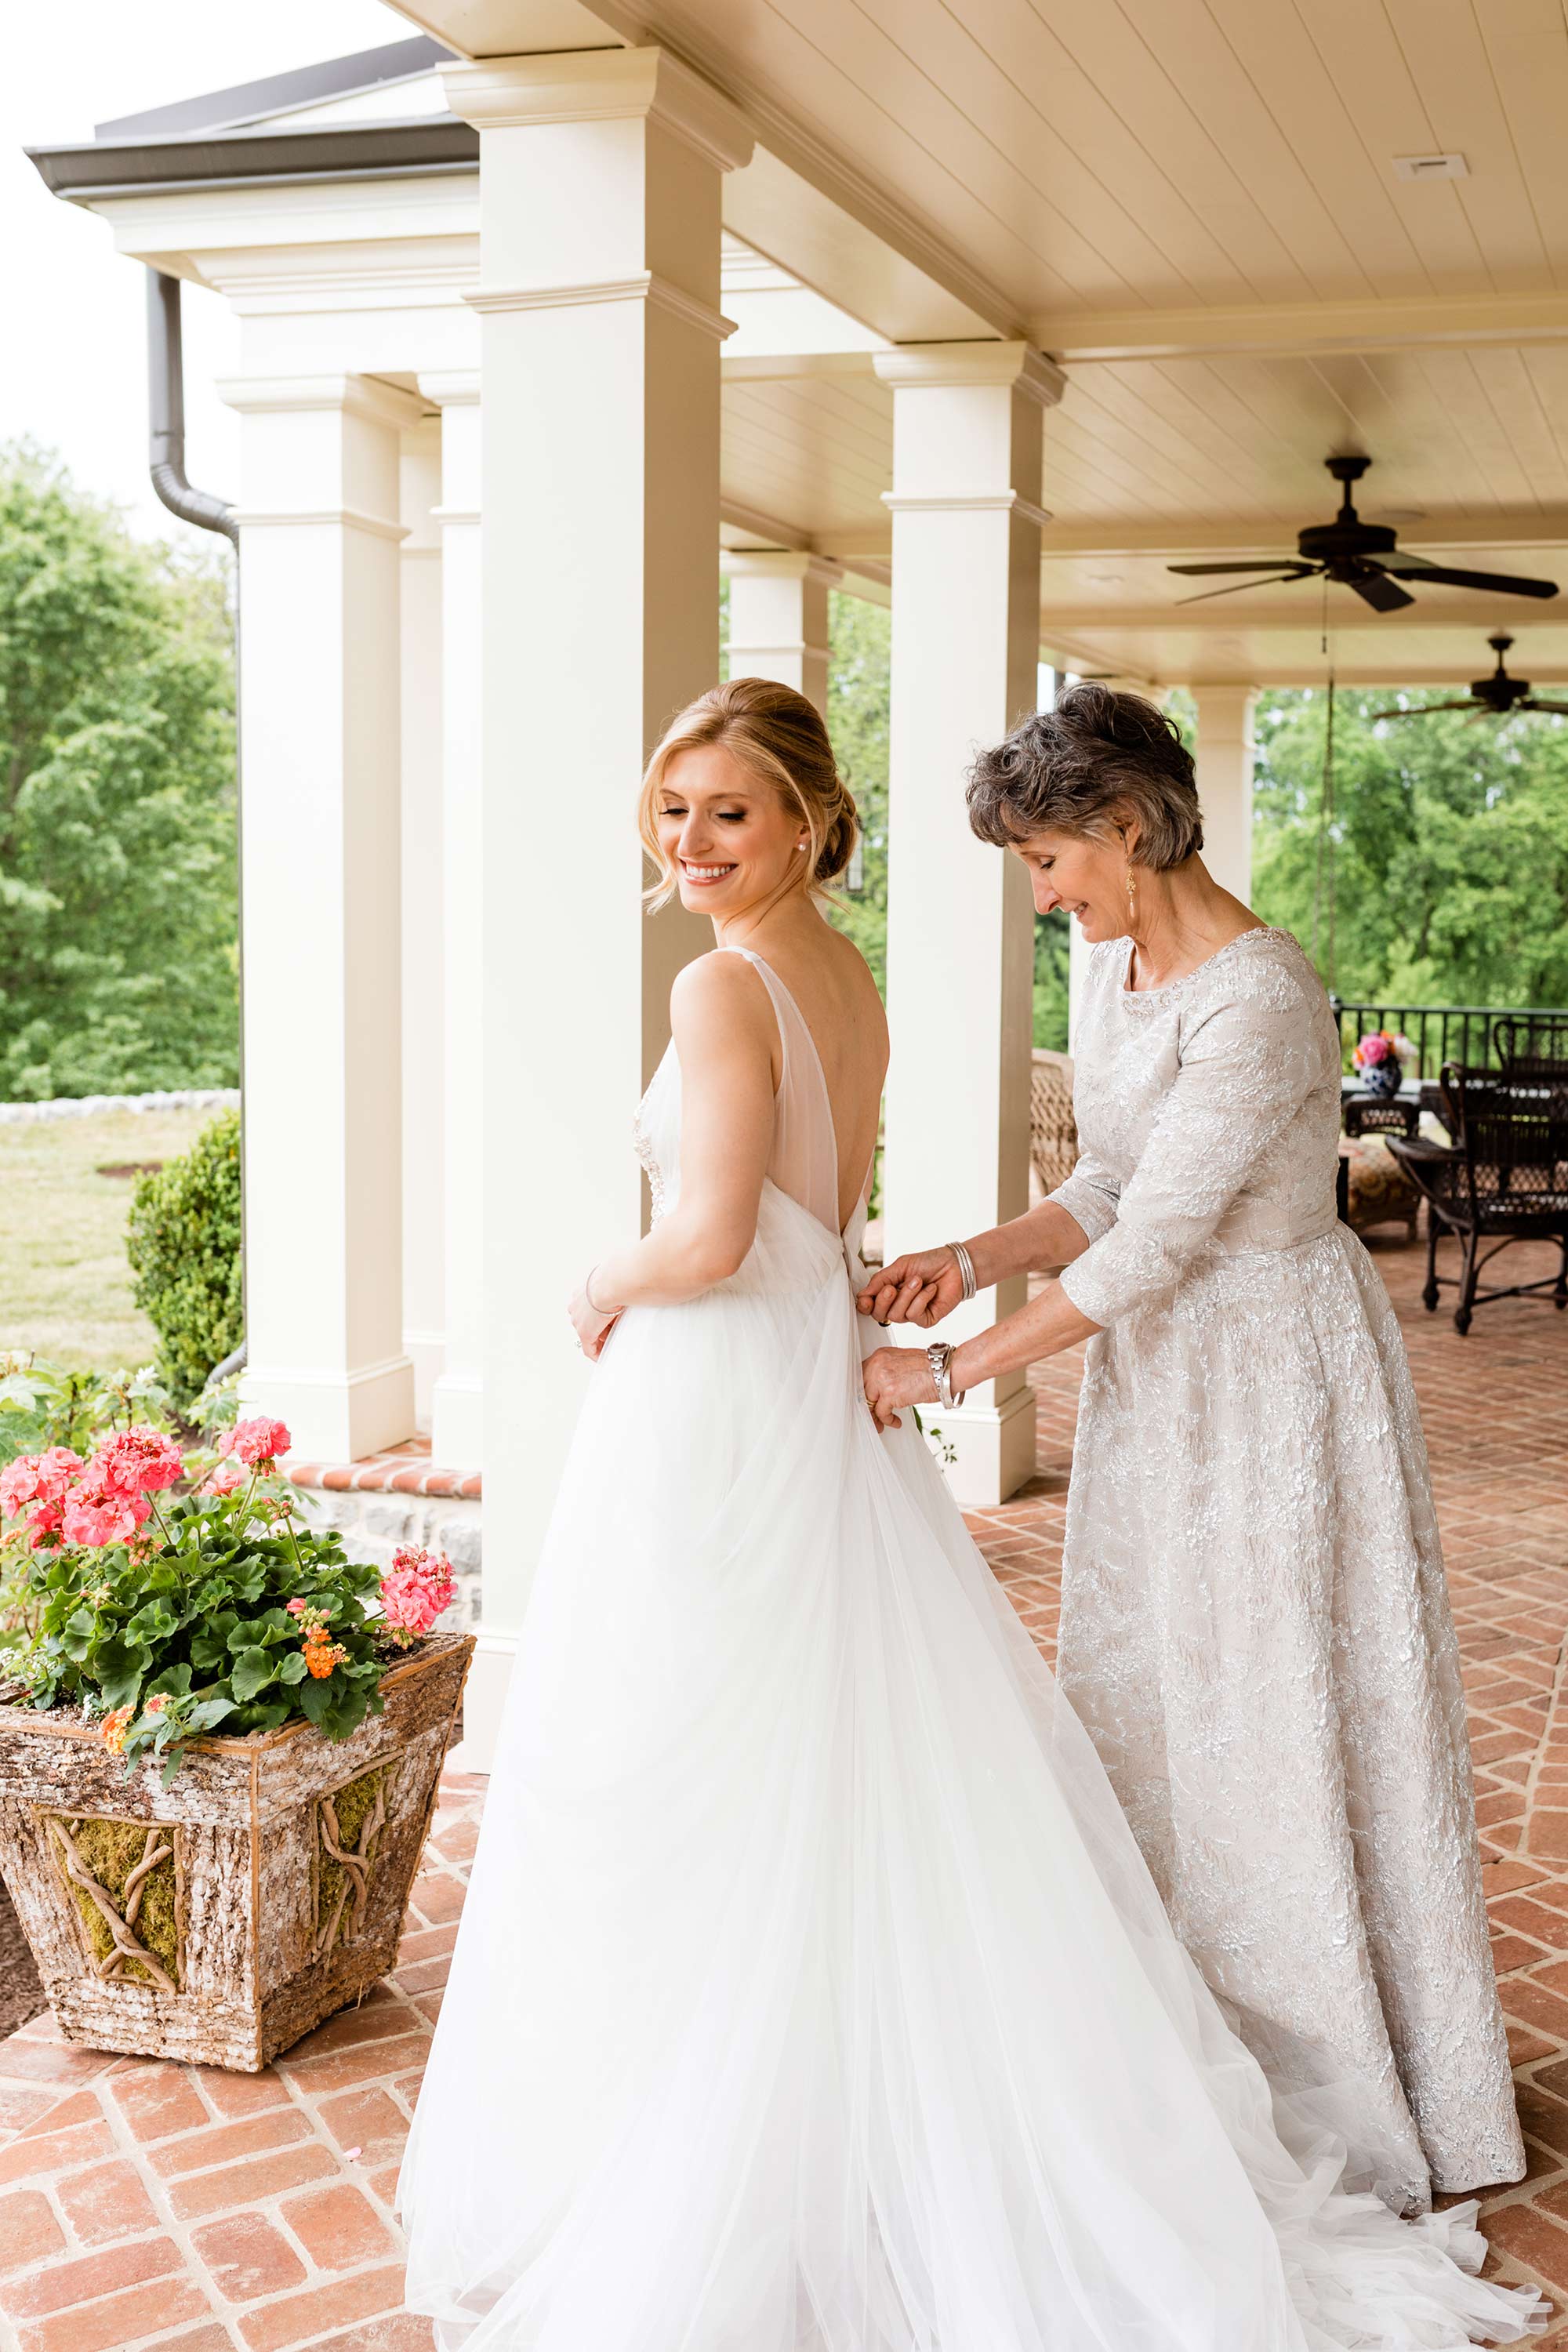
<point>1097,760</point>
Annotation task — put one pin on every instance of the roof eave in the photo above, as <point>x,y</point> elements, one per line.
<point>83,173</point>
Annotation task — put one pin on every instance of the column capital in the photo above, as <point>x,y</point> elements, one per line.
<point>1015,366</point>
<point>450,388</point>
<point>601,85</point>
<point>1225,706</point>
<point>355,395</point>
<point>780,564</point>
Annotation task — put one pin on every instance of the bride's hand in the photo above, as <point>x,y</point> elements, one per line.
<point>918,1289</point>
<point>592,1328</point>
<point>896,1376</point>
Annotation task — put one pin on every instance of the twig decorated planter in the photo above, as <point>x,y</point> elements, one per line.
<point>218,1763</point>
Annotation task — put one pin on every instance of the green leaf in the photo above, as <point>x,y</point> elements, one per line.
<point>315,1700</point>
<point>292,1669</point>
<point>207,1712</point>
<point>253,1669</point>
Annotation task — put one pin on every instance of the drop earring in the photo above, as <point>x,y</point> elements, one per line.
<point>1131,901</point>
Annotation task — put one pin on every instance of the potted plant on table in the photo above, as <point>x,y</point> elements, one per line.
<point>220,1749</point>
<point>1382,1058</point>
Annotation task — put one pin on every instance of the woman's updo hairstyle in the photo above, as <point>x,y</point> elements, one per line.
<point>1100,759</point>
<point>779,736</point>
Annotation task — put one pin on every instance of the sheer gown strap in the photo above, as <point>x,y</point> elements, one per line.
<point>805,1158</point>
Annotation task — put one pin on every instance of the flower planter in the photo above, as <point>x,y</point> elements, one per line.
<point>219,1920</point>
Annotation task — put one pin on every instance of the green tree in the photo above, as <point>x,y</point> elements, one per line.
<point>1443,874</point>
<point>858,690</point>
<point>119,966</point>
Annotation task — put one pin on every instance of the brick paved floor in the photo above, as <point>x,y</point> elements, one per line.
<point>177,2208</point>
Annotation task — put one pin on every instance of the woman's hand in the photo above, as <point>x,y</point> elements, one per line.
<point>896,1376</point>
<point>920,1289</point>
<point>593,1327</point>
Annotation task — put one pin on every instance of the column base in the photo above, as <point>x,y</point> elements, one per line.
<point>484,1702</point>
<point>457,1421</point>
<point>336,1416</point>
<point>995,1446</point>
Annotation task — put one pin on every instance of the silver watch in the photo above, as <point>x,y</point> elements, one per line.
<point>939,1356</point>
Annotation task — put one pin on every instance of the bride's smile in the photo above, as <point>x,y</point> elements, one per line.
<point>731,845</point>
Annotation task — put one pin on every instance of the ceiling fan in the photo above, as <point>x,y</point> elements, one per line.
<point>1360,555</point>
<point>1497,697</point>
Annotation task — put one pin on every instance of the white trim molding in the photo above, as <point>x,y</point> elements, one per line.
<point>340,517</point>
<point>359,395</point>
<point>344,518</point>
<point>451,387</point>
<point>644,286</point>
<point>930,364</point>
<point>981,502</point>
<point>600,85</point>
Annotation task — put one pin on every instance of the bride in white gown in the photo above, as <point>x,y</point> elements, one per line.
<point>812,1994</point>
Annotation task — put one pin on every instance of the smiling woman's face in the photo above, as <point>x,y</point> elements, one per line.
<point>1086,877</point>
<point>727,836</point>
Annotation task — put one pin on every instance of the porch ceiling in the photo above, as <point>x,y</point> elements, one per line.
<point>1194,206</point>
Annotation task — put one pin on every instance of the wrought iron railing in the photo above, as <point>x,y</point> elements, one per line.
<point>1439,1032</point>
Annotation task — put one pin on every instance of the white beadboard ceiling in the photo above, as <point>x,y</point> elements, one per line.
<point>1194,203</point>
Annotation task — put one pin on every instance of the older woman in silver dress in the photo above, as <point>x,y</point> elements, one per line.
<point>1255,1624</point>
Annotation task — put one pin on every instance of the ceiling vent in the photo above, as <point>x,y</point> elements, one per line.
<point>1431,167</point>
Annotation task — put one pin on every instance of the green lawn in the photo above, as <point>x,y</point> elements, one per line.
<point>65,1288</point>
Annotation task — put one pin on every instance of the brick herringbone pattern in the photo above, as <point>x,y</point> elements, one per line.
<point>175,2209</point>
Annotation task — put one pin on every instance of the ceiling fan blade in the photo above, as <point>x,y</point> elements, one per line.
<point>1444,575</point>
<point>1420,710</point>
<point>1384,596</point>
<point>1202,571</point>
<point>1534,702</point>
<point>1238,585</point>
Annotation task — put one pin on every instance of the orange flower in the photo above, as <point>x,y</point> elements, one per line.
<point>114,1730</point>
<point>322,1654</point>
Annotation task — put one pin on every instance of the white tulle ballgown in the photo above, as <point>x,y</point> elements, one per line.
<point>812,1994</point>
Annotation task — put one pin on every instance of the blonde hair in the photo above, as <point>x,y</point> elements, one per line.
<point>779,737</point>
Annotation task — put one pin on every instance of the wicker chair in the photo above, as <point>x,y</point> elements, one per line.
<point>1505,1178</point>
<point>1053,1131</point>
<point>1532,1045</point>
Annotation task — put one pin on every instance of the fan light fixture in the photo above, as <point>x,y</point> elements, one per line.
<point>1498,697</point>
<point>1361,555</point>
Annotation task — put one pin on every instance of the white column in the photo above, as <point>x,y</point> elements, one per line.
<point>419,572</point>
<point>457,1433</point>
<point>318,699</point>
<point>599,266</point>
<point>1225,759</point>
<point>778,617</point>
<point>966,606</point>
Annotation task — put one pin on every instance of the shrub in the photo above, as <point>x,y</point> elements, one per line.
<point>183,1240</point>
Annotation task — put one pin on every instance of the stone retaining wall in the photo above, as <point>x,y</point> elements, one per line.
<point>21,1114</point>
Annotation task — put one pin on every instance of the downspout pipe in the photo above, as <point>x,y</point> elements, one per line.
<point>166,415</point>
<point>166,464</point>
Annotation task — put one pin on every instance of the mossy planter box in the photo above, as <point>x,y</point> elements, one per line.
<point>217,1920</point>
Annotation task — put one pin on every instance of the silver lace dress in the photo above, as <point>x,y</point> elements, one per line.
<point>1254,1623</point>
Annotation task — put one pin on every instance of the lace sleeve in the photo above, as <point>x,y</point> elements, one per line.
<point>1090,1196</point>
<point>1246,1069</point>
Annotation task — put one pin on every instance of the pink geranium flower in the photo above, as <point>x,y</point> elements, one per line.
<point>1375,1046</point>
<point>45,1522</point>
<point>140,1461</point>
<point>223,1478</point>
<point>96,1512</point>
<point>18,1483</point>
<point>260,1440</point>
<point>416,1590</point>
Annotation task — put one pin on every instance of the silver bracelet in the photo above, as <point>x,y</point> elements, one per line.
<point>588,1292</point>
<point>965,1264</point>
<point>939,1356</point>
